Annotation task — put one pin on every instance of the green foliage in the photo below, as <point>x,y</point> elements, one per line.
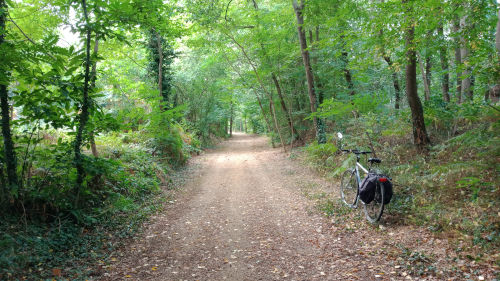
<point>321,151</point>
<point>449,188</point>
<point>218,64</point>
<point>338,109</point>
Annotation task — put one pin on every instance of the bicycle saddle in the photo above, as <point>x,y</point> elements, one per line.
<point>374,160</point>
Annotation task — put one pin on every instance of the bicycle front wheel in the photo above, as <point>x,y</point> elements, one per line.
<point>349,188</point>
<point>374,209</point>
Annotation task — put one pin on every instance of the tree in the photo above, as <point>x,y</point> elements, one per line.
<point>494,92</point>
<point>84,108</point>
<point>313,102</point>
<point>161,56</point>
<point>420,137</point>
<point>93,146</point>
<point>9,152</point>
<point>445,80</point>
<point>464,54</point>
<point>458,59</point>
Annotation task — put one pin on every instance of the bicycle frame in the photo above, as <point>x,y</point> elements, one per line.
<point>358,178</point>
<point>373,211</point>
<point>357,172</point>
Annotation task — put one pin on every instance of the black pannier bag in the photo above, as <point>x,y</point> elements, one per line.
<point>386,181</point>
<point>367,190</point>
<point>368,187</point>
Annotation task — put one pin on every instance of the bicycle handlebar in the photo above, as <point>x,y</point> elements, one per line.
<point>356,151</point>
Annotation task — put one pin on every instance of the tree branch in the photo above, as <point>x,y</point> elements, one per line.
<point>24,34</point>
<point>28,38</point>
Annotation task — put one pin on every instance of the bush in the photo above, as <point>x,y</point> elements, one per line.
<point>321,153</point>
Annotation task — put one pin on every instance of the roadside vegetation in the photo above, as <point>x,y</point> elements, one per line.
<point>101,101</point>
<point>451,189</point>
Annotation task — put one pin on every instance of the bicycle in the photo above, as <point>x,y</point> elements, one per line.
<point>351,184</point>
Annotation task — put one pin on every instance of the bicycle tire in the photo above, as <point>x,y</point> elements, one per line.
<point>374,209</point>
<point>349,188</point>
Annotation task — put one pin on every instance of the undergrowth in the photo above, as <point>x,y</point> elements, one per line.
<point>451,189</point>
<point>46,236</point>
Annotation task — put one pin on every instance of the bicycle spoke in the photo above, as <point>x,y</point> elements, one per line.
<point>349,188</point>
<point>374,209</point>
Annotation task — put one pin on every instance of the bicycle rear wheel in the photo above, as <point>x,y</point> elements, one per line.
<point>349,188</point>
<point>374,209</point>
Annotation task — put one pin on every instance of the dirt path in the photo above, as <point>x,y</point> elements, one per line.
<point>244,217</point>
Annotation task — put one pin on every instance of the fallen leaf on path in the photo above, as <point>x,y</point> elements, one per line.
<point>56,272</point>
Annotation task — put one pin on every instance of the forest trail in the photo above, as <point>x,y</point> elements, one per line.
<point>243,217</point>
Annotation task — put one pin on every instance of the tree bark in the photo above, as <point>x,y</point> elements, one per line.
<point>395,82</point>
<point>283,107</point>
<point>319,84</point>
<point>245,120</point>
<point>420,137</point>
<point>276,124</point>
<point>497,36</point>
<point>160,66</point>
<point>347,72</point>
<point>428,72</point>
<point>427,92</point>
<point>231,120</point>
<point>458,60</point>
<point>445,79</point>
<point>318,124</point>
<point>464,53</point>
<point>93,146</point>
<point>494,93</point>
<point>8,143</point>
<point>84,110</point>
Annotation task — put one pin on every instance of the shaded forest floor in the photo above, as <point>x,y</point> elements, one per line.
<point>251,213</point>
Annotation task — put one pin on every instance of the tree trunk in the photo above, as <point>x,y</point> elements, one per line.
<point>458,60</point>
<point>445,80</point>
<point>319,126</point>
<point>464,53</point>
<point>93,146</point>
<point>347,72</point>
<point>494,92</point>
<point>277,85</point>
<point>8,143</point>
<point>395,82</point>
<point>427,91</point>
<point>420,137</point>
<point>283,107</point>
<point>84,111</point>
<point>497,36</point>
<point>276,124</point>
<point>246,124</point>
<point>231,120</point>
<point>160,67</point>
<point>428,73</point>
<point>319,84</point>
